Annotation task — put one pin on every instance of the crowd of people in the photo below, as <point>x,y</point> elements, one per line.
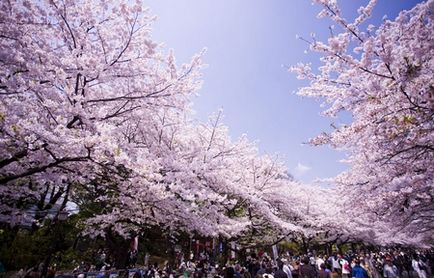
<point>358,265</point>
<point>392,264</point>
<point>349,265</point>
<point>375,265</point>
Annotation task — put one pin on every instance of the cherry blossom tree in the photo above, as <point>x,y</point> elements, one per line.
<point>203,182</point>
<point>77,77</point>
<point>383,77</point>
<point>91,106</point>
<point>182,190</point>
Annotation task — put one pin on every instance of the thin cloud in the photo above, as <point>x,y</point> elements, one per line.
<point>301,169</point>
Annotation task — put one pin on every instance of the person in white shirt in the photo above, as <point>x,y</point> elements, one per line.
<point>335,263</point>
<point>346,270</point>
<point>389,269</point>
<point>319,261</point>
<point>419,266</point>
<point>286,268</point>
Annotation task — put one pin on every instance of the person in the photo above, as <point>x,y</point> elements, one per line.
<point>280,273</point>
<point>100,259</point>
<point>306,269</point>
<point>286,268</point>
<point>323,273</point>
<point>419,266</point>
<point>358,271</point>
<point>230,272</point>
<point>296,269</point>
<point>334,273</point>
<point>237,269</point>
<point>255,267</point>
<point>132,258</point>
<point>346,269</point>
<point>246,274</point>
<point>365,265</point>
<point>389,269</point>
<point>319,262</point>
<point>261,270</point>
<point>334,261</point>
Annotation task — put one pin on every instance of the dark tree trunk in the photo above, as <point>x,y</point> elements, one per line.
<point>118,250</point>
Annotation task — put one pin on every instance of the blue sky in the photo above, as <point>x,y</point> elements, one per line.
<point>248,44</point>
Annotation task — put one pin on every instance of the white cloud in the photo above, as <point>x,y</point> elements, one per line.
<point>301,169</point>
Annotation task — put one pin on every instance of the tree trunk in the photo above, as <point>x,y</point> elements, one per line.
<point>118,250</point>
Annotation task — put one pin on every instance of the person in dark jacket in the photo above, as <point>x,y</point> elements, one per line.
<point>280,273</point>
<point>358,271</point>
<point>306,269</point>
<point>323,273</point>
<point>230,272</point>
